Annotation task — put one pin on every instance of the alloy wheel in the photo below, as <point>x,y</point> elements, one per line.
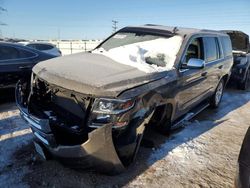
<point>219,93</point>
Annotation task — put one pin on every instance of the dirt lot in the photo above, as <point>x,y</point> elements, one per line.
<point>203,154</point>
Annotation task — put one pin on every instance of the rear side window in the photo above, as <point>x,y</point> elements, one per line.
<point>12,53</point>
<point>226,46</point>
<point>211,49</point>
<point>26,53</point>
<point>8,53</point>
<point>41,46</point>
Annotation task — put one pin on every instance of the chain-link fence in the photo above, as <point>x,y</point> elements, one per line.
<point>70,47</point>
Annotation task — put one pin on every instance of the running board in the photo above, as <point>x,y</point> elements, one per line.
<point>189,116</point>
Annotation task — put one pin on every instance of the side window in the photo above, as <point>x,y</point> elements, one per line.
<point>41,46</point>
<point>26,53</point>
<point>194,50</point>
<point>211,48</point>
<point>32,46</point>
<point>8,53</point>
<point>218,48</point>
<point>227,46</point>
<point>46,47</point>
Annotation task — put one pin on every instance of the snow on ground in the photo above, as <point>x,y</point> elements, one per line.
<point>14,134</point>
<point>203,154</point>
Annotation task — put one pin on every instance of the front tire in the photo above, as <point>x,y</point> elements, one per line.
<point>216,98</point>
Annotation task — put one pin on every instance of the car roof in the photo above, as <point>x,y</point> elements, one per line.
<point>19,45</point>
<point>178,30</point>
<point>11,44</point>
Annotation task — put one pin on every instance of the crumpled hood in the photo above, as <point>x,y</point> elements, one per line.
<point>92,74</point>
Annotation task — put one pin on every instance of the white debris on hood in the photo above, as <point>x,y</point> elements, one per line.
<point>135,54</point>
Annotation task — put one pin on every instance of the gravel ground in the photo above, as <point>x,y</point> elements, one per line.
<point>203,154</point>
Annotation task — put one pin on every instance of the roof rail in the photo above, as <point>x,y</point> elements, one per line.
<point>208,30</point>
<point>152,25</point>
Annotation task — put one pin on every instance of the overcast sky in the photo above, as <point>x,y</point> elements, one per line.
<point>79,19</point>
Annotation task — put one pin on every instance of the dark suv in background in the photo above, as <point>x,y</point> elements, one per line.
<point>92,108</point>
<point>16,62</point>
<point>241,54</point>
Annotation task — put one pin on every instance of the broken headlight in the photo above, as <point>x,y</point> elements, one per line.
<point>112,106</point>
<point>112,111</point>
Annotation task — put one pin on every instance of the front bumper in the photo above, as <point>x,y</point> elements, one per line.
<point>97,152</point>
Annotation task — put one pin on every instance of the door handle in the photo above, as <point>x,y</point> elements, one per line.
<point>25,67</point>
<point>220,67</point>
<point>204,74</point>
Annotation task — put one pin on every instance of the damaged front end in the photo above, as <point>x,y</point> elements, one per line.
<point>79,129</point>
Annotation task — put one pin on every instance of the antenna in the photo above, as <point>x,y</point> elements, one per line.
<point>175,29</point>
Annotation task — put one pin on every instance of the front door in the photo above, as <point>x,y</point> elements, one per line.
<point>191,81</point>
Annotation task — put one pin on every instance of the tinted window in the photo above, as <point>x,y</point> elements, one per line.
<point>194,50</point>
<point>227,46</point>
<point>8,53</point>
<point>211,49</point>
<point>26,53</point>
<point>41,46</point>
<point>218,47</point>
<point>31,46</point>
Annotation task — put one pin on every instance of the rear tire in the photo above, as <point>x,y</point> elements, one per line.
<point>246,84</point>
<point>217,96</point>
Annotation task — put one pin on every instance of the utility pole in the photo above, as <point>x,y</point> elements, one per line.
<point>114,26</point>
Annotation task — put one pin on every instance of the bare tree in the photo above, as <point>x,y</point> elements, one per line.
<point>2,9</point>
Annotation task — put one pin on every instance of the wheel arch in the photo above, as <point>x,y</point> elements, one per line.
<point>163,111</point>
<point>225,78</point>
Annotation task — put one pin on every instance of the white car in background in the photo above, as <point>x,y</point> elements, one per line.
<point>44,47</point>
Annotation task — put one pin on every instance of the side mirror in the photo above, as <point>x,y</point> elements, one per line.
<point>195,63</point>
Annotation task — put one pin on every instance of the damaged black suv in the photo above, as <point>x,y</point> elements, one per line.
<point>241,54</point>
<point>92,108</point>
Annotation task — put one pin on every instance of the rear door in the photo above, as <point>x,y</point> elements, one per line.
<point>15,63</point>
<point>214,62</point>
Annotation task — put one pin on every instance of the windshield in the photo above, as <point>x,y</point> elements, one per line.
<point>147,52</point>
